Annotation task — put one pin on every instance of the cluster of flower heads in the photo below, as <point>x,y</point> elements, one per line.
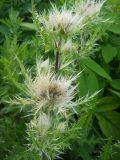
<point>51,97</point>
<point>68,21</point>
<point>50,93</point>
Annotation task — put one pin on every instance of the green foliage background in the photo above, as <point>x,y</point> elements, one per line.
<point>101,123</point>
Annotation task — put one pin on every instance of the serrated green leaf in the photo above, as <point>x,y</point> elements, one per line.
<point>109,123</point>
<point>108,104</point>
<point>108,53</point>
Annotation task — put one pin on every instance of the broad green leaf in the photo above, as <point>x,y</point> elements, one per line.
<point>114,92</point>
<point>96,68</point>
<point>108,53</point>
<point>105,66</point>
<point>88,83</point>
<point>108,104</point>
<point>113,2</point>
<point>115,84</point>
<point>30,26</point>
<point>109,123</point>
<point>115,28</point>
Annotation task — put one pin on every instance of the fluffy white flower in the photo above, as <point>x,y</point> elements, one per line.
<point>49,92</point>
<point>88,8</point>
<point>67,47</point>
<point>62,21</point>
<point>68,21</point>
<point>42,123</point>
<point>61,126</point>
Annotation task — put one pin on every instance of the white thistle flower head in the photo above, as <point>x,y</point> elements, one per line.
<point>89,8</point>
<point>61,126</point>
<point>67,47</point>
<point>62,21</point>
<point>42,123</point>
<point>51,92</point>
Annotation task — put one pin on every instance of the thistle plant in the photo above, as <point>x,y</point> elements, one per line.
<point>51,95</point>
<point>62,25</point>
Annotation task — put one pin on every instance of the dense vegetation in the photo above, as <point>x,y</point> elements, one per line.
<point>95,130</point>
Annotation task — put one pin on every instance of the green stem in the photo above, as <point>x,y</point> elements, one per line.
<point>57,54</point>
